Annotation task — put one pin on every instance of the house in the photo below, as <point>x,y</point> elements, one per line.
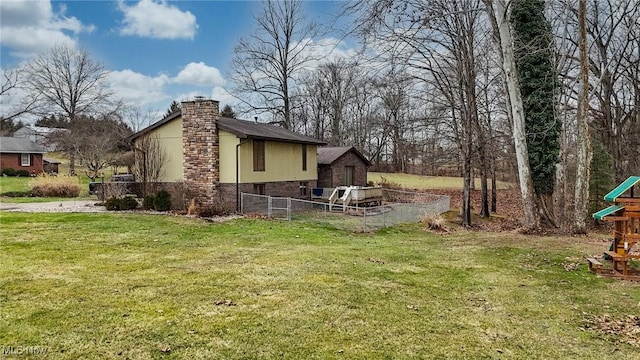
<point>218,158</point>
<point>341,166</point>
<point>38,134</point>
<point>21,154</point>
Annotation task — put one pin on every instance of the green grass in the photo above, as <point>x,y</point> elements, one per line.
<point>21,184</point>
<point>127,285</point>
<point>411,181</point>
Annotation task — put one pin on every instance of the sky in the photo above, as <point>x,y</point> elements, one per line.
<point>156,51</point>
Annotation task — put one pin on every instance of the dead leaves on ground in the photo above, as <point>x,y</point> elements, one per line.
<point>627,329</point>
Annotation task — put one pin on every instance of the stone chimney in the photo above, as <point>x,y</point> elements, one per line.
<point>201,149</point>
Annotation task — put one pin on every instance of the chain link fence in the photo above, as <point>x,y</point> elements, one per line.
<point>398,207</point>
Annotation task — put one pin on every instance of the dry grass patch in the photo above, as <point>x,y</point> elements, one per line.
<point>55,186</point>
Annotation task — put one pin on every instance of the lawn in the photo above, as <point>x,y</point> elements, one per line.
<point>143,286</point>
<point>21,184</point>
<point>411,181</point>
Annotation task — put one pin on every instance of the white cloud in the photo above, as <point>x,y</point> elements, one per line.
<point>200,74</point>
<point>160,20</point>
<point>29,27</point>
<point>136,88</point>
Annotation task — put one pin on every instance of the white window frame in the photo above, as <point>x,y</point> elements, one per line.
<point>23,158</point>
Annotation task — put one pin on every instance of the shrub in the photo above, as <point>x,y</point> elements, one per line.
<point>218,208</point>
<point>9,172</point>
<point>113,190</point>
<point>387,184</point>
<point>55,186</point>
<point>147,202</point>
<point>162,201</point>
<point>23,173</point>
<point>121,203</point>
<point>17,194</point>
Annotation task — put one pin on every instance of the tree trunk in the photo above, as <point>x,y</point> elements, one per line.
<point>583,138</point>
<point>500,21</point>
<point>466,192</point>
<point>494,187</point>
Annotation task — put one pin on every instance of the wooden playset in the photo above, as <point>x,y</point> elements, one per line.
<point>625,214</point>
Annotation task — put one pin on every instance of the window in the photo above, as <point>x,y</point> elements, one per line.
<point>258,155</point>
<point>25,159</point>
<point>348,175</point>
<point>303,188</point>
<point>258,189</point>
<point>304,157</point>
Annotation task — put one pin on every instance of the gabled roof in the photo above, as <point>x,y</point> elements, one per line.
<point>20,145</point>
<point>50,160</point>
<point>155,125</point>
<point>329,154</point>
<point>244,130</point>
<point>261,131</point>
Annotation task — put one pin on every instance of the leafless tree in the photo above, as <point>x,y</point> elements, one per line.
<point>583,138</point>
<point>14,102</point>
<point>150,160</point>
<point>612,39</point>
<point>67,81</point>
<point>499,14</point>
<point>92,141</point>
<point>266,64</point>
<point>137,120</point>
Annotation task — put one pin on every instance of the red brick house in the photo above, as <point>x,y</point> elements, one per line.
<point>21,154</point>
<point>338,166</point>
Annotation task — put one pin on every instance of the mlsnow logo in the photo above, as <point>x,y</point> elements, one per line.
<point>23,350</point>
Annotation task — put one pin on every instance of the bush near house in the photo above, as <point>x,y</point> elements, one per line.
<point>9,172</point>
<point>147,202</point>
<point>162,201</point>
<point>14,172</point>
<point>121,203</point>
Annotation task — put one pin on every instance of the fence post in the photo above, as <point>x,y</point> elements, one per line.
<point>288,209</point>
<point>364,218</point>
<point>384,217</point>
<point>269,206</point>
<point>241,203</point>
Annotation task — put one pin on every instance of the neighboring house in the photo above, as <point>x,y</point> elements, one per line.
<point>50,166</point>
<point>218,156</point>
<point>38,134</point>
<point>341,166</point>
<point>21,154</point>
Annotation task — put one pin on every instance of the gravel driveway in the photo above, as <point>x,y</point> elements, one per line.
<point>54,206</point>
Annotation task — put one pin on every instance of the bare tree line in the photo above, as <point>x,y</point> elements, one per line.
<point>435,90</point>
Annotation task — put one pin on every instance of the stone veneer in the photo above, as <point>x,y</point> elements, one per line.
<point>201,149</point>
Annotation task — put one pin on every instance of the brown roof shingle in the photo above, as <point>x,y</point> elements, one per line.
<point>244,130</point>
<point>327,155</point>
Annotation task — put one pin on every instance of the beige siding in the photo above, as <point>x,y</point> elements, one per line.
<point>170,137</point>
<point>228,142</point>
<point>283,162</point>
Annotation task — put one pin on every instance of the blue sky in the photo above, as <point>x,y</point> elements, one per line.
<point>157,51</point>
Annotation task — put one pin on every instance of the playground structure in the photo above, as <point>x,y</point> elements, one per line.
<point>625,214</point>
